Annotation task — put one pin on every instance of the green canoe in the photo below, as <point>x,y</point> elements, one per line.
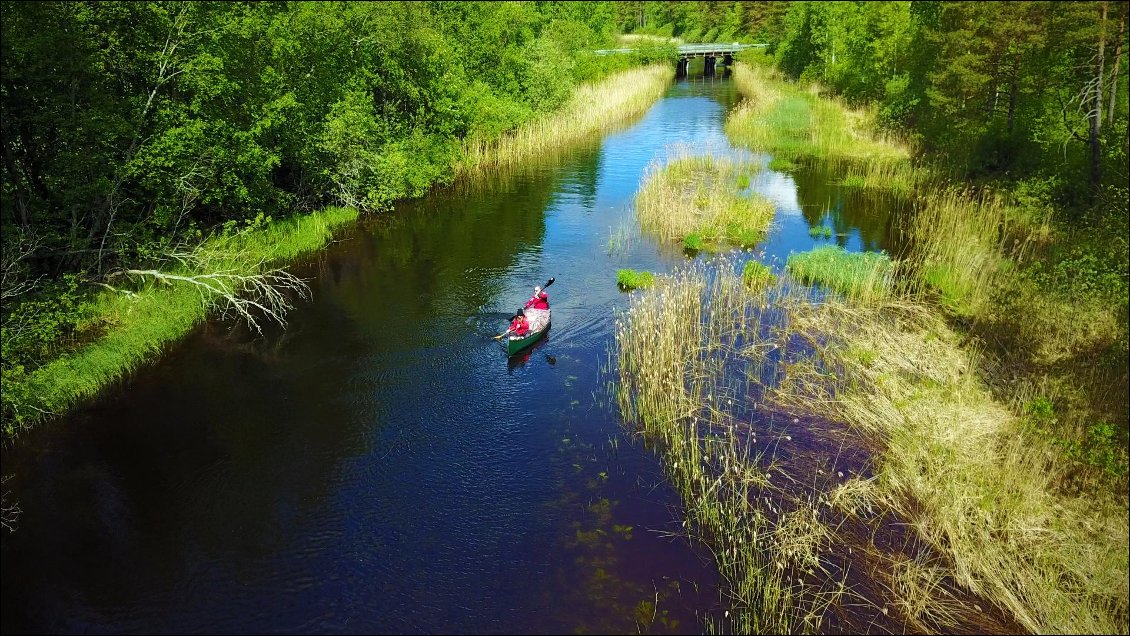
<point>539,323</point>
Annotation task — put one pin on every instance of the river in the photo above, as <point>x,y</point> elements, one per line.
<point>380,465</point>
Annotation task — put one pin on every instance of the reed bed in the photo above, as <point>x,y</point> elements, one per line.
<point>702,360</point>
<point>592,109</point>
<point>981,490</point>
<point>792,122</point>
<point>698,199</point>
<point>677,349</point>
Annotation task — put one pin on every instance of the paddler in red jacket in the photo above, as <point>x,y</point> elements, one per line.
<point>540,300</point>
<point>519,326</point>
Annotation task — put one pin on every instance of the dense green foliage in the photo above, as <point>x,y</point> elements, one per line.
<point>711,21</point>
<point>138,123</point>
<point>135,130</point>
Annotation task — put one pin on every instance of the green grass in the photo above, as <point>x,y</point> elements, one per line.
<point>757,276</point>
<point>628,279</point>
<point>820,231</point>
<point>136,327</point>
<point>861,276</point>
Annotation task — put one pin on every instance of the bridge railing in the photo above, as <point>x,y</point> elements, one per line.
<point>693,49</point>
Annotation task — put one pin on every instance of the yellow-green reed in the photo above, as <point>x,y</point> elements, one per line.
<point>700,196</point>
<point>593,108</point>
<point>965,471</point>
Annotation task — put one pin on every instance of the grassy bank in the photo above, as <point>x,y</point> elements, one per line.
<point>593,108</point>
<point>966,376</point>
<point>51,366</point>
<point>708,371</point>
<point>133,322</point>
<point>1044,292</point>
<point>795,123</point>
<point>969,472</point>
<point>699,199</point>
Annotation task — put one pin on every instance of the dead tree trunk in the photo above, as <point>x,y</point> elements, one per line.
<point>1096,111</point>
<point>1117,59</point>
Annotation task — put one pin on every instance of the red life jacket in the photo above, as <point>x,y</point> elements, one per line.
<point>541,301</point>
<point>520,326</point>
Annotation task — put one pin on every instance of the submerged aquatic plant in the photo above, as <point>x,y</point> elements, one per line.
<point>820,231</point>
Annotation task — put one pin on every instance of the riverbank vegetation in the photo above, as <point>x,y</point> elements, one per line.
<point>592,109</point>
<point>699,199</point>
<point>139,136</point>
<point>982,391</point>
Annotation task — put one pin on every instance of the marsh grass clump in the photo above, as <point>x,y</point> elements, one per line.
<point>699,196</point>
<point>781,164</point>
<point>864,277</point>
<point>628,279</point>
<point>820,231</point>
<point>693,242</point>
<point>757,276</point>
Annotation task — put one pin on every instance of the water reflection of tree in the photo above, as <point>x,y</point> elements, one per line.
<point>849,208</point>
<point>406,269</point>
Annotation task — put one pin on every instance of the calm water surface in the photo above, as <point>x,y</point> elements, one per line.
<point>381,465</point>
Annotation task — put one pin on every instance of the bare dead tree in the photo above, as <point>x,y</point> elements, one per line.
<point>167,69</point>
<point>1117,59</point>
<point>244,291</point>
<point>9,512</point>
<point>13,280</point>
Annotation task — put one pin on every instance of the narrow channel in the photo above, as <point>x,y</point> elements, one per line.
<point>380,465</point>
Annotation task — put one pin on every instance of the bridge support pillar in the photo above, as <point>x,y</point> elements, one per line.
<point>681,67</point>
<point>709,70</point>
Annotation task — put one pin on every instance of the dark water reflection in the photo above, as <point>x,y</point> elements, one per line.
<point>381,465</point>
